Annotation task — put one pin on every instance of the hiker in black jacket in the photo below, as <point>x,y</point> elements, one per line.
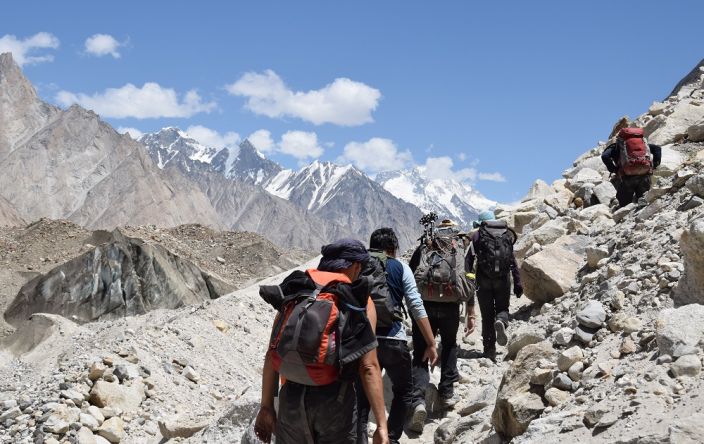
<point>630,185</point>
<point>494,271</point>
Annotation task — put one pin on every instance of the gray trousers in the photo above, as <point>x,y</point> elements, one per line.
<point>317,415</point>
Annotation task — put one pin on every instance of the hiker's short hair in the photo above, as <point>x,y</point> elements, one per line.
<point>383,239</point>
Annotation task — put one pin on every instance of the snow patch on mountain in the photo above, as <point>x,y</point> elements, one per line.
<point>319,183</point>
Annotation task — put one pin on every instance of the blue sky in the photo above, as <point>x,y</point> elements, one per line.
<point>496,93</point>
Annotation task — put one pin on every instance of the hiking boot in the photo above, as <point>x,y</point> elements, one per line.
<point>447,402</point>
<point>500,327</point>
<point>490,355</point>
<point>418,419</point>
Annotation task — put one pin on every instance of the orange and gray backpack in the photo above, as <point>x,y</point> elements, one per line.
<point>305,341</point>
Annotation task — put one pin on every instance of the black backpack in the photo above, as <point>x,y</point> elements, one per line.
<point>388,309</point>
<point>495,249</point>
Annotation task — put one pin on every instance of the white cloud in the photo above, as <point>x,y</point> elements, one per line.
<point>492,177</point>
<point>262,140</point>
<point>102,45</point>
<point>133,132</point>
<point>212,138</point>
<point>342,102</point>
<point>149,101</point>
<point>376,155</point>
<point>301,145</point>
<point>23,50</point>
<point>462,157</point>
<point>443,168</point>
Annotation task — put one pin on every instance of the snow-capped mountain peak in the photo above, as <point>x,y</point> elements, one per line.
<point>171,144</point>
<point>447,197</point>
<point>244,162</point>
<point>315,184</point>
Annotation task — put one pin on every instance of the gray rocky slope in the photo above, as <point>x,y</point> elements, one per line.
<point>8,215</point>
<point>71,165</point>
<point>607,345</point>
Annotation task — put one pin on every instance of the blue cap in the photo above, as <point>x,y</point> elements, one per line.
<point>483,217</point>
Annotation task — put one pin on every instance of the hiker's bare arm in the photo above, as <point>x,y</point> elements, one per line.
<point>269,379</point>
<point>266,418</point>
<point>371,313</point>
<point>370,374</point>
<point>431,351</point>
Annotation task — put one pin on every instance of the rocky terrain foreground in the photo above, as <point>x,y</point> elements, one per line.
<point>606,345</point>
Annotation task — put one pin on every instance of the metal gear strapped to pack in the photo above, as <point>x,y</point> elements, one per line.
<point>440,273</point>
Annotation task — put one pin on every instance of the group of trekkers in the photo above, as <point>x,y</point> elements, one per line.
<point>339,325</point>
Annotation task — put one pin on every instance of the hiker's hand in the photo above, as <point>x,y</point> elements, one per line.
<point>469,325</point>
<point>518,291</point>
<point>265,424</point>
<point>431,355</point>
<point>381,436</point>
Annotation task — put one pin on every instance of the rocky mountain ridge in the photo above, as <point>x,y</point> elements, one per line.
<point>338,201</point>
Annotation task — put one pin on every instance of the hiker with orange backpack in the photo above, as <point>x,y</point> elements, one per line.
<point>323,337</point>
<point>631,160</point>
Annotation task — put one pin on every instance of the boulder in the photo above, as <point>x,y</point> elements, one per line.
<point>687,365</point>
<point>523,218</point>
<point>549,273</point>
<point>687,430</point>
<point>116,396</point>
<point>657,108</point>
<point>684,114</point>
<point>525,335</point>
<point>560,200</point>
<point>695,133</point>
<point>691,285</point>
<point>595,254</point>
<point>695,184</point>
<point>621,322</point>
<point>477,401</point>
<point>671,162</point>
<point>584,175</point>
<point>60,417</point>
<point>585,334</point>
<point>538,190</point>
<point>85,436</point>
<point>122,277</point>
<point>564,336</point>
<point>683,326</point>
<point>113,430</point>
<point>592,315</point>
<point>568,357</point>
<point>622,212</point>
<point>180,428</point>
<point>605,192</point>
<point>556,397</point>
<point>516,406</point>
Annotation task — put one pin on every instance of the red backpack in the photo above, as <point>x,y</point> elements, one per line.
<point>304,344</point>
<point>634,157</point>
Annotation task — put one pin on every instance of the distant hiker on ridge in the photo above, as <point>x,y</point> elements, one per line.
<point>492,247</point>
<point>323,337</point>
<point>392,284</point>
<point>631,159</point>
